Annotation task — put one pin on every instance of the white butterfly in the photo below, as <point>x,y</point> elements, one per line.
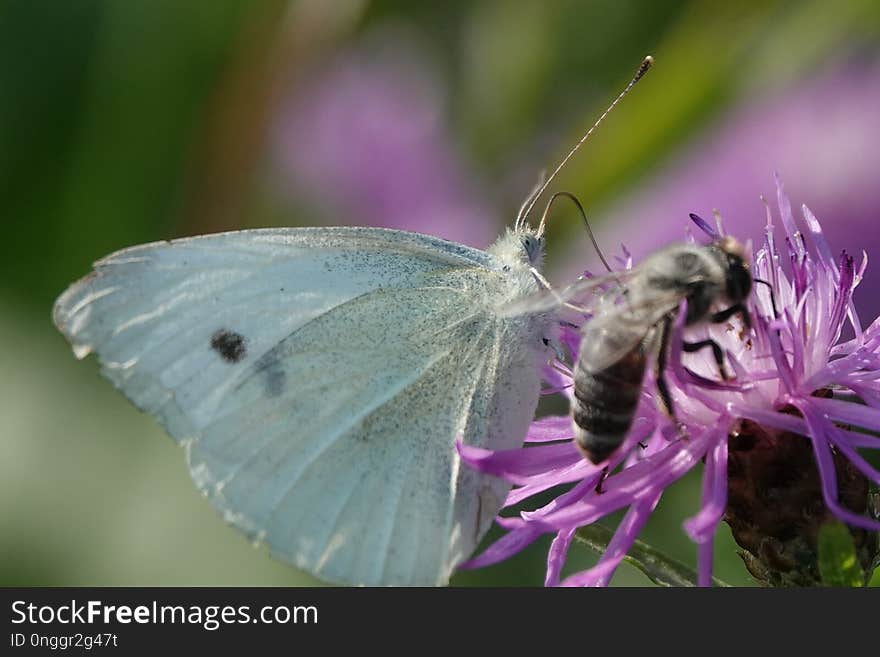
<point>318,379</point>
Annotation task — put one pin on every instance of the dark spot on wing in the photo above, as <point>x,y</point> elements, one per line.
<point>230,345</point>
<point>274,376</point>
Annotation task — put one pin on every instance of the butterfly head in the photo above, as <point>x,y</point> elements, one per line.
<point>520,247</point>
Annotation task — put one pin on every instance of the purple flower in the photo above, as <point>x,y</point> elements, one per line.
<point>363,141</point>
<point>798,386</point>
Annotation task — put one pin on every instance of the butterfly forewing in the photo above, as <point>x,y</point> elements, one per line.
<point>320,378</point>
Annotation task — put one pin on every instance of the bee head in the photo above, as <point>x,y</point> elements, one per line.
<point>738,278</point>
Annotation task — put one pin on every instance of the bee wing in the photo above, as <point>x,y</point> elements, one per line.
<point>578,294</point>
<point>611,334</point>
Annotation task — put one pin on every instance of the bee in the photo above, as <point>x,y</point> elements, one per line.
<point>633,327</point>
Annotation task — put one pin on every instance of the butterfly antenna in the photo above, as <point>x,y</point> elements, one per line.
<point>524,213</point>
<point>574,199</point>
<point>532,194</point>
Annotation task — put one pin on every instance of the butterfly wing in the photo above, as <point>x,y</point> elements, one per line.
<point>367,488</point>
<point>319,378</point>
<point>176,323</point>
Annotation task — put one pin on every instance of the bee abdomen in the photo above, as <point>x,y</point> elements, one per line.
<point>605,403</point>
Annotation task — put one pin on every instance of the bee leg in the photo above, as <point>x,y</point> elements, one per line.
<point>738,309</point>
<point>717,354</point>
<point>660,369</point>
<point>772,296</point>
<point>602,479</point>
<point>660,376</point>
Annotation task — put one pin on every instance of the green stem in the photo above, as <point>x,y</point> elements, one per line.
<point>659,568</point>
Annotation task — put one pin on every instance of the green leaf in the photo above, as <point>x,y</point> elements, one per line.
<point>659,568</point>
<point>838,563</point>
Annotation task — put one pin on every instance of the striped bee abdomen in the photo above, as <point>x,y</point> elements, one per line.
<point>631,325</point>
<point>605,403</point>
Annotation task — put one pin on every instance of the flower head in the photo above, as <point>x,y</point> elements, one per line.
<point>799,390</point>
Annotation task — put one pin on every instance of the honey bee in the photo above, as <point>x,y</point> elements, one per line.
<point>631,325</point>
<point>631,328</point>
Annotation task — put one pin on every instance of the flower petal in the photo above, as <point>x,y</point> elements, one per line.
<point>556,556</point>
<point>546,480</point>
<point>836,437</point>
<point>704,226</point>
<point>627,531</point>
<point>636,482</point>
<point>788,221</point>
<point>704,562</point>
<point>848,412</point>
<point>821,245</point>
<point>516,465</point>
<point>505,547</point>
<point>549,428</point>
<point>827,472</point>
<point>701,527</point>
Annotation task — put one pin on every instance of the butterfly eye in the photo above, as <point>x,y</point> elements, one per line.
<point>531,245</point>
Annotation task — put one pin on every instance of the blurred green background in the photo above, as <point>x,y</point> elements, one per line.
<point>125,121</point>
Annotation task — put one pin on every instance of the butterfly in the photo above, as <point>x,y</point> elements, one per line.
<point>318,379</point>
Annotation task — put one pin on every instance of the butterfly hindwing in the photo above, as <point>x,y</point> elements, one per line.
<point>355,457</point>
